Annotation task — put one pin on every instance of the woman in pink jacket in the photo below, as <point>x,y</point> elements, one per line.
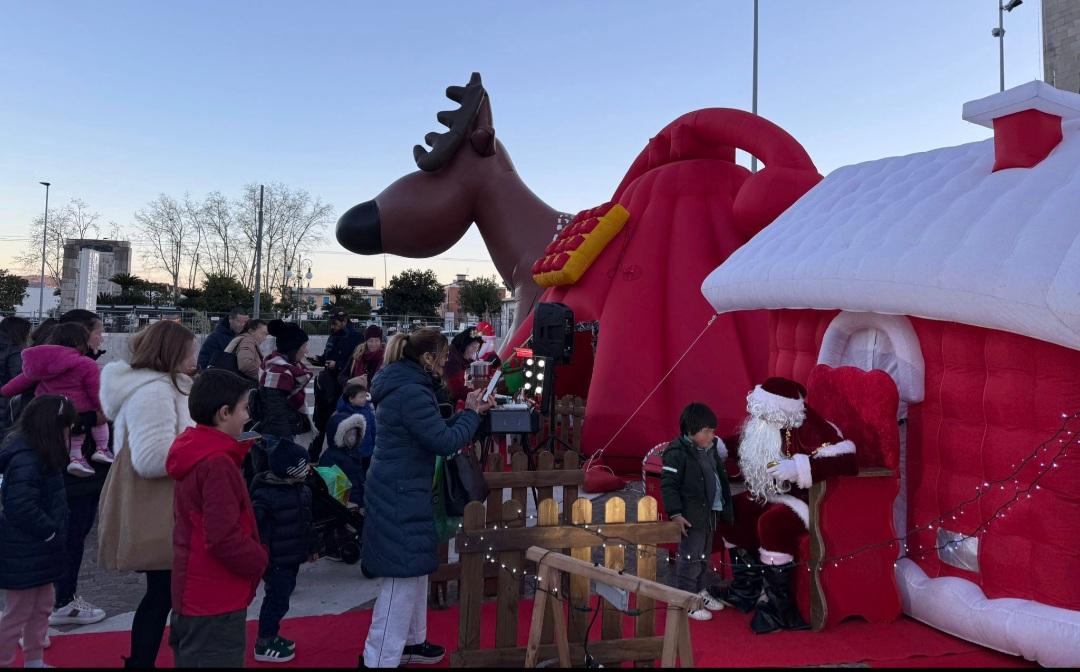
<point>62,367</point>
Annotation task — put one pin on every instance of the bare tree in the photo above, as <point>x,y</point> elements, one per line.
<point>166,228</point>
<point>71,221</point>
<point>222,240</point>
<point>192,248</point>
<point>216,237</point>
<point>293,224</point>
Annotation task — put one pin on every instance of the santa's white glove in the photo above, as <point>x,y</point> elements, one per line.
<point>784,471</point>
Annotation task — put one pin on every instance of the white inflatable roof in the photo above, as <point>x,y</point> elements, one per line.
<point>935,235</point>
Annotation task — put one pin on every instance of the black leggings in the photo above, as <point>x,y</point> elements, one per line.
<point>148,627</point>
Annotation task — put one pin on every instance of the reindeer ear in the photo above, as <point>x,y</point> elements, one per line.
<point>483,141</point>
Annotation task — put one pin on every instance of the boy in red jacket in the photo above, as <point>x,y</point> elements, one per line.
<point>217,558</point>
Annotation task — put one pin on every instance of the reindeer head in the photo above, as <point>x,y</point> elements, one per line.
<point>426,212</point>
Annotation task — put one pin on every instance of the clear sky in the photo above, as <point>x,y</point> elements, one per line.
<point>116,102</point>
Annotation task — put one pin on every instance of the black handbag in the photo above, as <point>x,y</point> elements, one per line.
<point>464,482</point>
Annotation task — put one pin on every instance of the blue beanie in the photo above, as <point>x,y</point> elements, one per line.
<point>289,460</point>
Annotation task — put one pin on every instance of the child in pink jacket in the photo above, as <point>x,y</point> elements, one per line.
<point>62,367</point>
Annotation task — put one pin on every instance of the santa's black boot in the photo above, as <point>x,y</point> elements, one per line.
<point>779,612</point>
<point>745,587</point>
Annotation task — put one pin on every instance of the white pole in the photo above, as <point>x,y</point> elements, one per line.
<point>1001,42</point>
<point>753,159</point>
<point>258,256</point>
<point>44,242</point>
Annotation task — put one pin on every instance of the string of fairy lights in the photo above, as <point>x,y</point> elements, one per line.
<point>1047,455</point>
<point>1046,458</point>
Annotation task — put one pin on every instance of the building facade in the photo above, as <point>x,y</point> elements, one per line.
<point>321,302</point>
<point>451,306</point>
<point>114,258</point>
<point>1061,44</point>
<point>48,299</point>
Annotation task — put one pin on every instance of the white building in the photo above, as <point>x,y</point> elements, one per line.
<point>29,305</point>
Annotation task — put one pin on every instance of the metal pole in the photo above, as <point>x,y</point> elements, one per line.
<point>1001,42</point>
<point>753,159</point>
<point>176,277</point>
<point>44,242</point>
<point>258,256</point>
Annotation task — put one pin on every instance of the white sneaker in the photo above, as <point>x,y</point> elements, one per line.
<point>77,612</point>
<point>711,603</point>
<point>46,644</point>
<point>700,615</point>
<point>80,467</point>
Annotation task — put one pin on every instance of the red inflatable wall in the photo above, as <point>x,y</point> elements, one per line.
<point>690,207</point>
<point>991,398</point>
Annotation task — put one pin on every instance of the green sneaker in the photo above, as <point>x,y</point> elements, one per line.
<point>276,650</point>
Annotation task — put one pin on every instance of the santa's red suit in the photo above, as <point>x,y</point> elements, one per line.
<point>487,350</point>
<point>784,448</point>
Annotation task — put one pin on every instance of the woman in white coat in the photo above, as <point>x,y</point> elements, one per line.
<point>148,404</point>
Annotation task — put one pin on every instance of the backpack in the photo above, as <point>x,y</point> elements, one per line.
<point>226,359</point>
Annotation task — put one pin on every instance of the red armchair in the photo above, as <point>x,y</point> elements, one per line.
<point>851,543</point>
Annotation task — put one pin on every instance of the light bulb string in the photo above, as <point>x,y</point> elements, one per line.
<point>645,550</point>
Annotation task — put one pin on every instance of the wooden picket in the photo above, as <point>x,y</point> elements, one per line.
<point>506,547</point>
<point>518,481</point>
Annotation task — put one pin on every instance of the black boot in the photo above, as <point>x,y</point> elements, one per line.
<point>779,612</point>
<point>745,587</point>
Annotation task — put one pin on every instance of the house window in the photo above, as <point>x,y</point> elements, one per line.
<point>326,300</point>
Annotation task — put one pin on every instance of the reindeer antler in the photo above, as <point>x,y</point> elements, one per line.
<point>472,97</point>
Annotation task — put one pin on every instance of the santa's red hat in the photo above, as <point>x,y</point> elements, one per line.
<point>485,329</point>
<point>781,394</point>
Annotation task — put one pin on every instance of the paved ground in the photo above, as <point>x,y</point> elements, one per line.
<point>324,587</point>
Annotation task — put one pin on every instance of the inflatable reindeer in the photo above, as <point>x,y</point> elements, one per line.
<point>634,264</point>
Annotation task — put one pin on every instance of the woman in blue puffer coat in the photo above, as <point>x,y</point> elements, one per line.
<point>399,534</point>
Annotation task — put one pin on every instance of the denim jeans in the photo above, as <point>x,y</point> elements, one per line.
<point>82,511</point>
<point>279,581</point>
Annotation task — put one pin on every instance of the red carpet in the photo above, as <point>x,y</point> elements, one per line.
<point>726,641</point>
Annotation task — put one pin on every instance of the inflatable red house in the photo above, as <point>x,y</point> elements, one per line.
<point>957,272</point>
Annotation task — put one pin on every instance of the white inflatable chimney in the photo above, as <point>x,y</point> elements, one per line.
<point>1026,120</point>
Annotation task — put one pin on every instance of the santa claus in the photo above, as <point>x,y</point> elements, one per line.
<point>487,349</point>
<point>784,447</point>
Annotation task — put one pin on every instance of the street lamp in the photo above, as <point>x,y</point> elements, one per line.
<point>999,33</point>
<point>753,159</point>
<point>44,242</point>
<point>299,286</point>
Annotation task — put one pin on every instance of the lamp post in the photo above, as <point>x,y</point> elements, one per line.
<point>999,33</point>
<point>753,159</point>
<point>44,243</point>
<point>299,283</point>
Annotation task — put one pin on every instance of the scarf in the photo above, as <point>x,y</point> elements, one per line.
<point>279,373</point>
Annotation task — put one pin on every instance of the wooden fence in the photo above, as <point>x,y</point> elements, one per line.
<point>551,567</point>
<point>569,414</point>
<point>518,480</point>
<point>480,544</point>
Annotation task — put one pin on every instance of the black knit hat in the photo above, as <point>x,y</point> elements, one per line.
<point>289,336</point>
<point>289,460</point>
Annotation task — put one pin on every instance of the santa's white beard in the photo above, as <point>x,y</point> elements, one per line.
<point>759,444</point>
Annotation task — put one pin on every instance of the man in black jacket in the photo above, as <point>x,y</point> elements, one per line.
<point>696,495</point>
<point>340,345</point>
<point>220,337</point>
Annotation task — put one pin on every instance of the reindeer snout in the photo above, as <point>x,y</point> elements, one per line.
<point>359,229</point>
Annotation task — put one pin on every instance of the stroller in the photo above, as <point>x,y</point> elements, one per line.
<point>338,528</point>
